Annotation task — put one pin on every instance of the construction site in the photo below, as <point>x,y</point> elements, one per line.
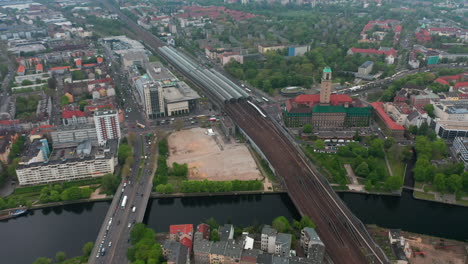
<point>419,249</point>
<point>210,157</point>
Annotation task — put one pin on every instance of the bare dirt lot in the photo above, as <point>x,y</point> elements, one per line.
<point>436,251</point>
<point>209,157</point>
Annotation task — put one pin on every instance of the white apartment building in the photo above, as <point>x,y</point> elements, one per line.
<point>107,125</point>
<point>65,164</point>
<point>268,239</point>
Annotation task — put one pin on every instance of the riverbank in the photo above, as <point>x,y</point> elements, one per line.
<point>55,204</point>
<point>204,194</point>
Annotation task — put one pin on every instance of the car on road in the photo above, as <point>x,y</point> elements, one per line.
<point>110,243</point>
<point>133,209</point>
<point>129,225</point>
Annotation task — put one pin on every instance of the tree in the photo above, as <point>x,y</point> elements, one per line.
<point>180,170</point>
<point>87,249</point>
<point>454,183</point>
<point>376,148</point>
<point>64,100</point>
<point>43,260</point>
<point>363,169</point>
<point>60,256</point>
<point>137,233</point>
<point>72,193</point>
<point>307,222</point>
<point>393,183</point>
<point>123,152</point>
<point>388,143</point>
<point>319,144</point>
<point>439,182</point>
<point>423,170</point>
<point>214,235</point>
<point>26,83</point>
<point>307,128</point>
<point>281,224</point>
<point>110,183</point>
<point>430,110</point>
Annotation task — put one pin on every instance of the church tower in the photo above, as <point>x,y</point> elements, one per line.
<point>326,86</point>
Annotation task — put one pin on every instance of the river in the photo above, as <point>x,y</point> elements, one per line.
<point>43,232</point>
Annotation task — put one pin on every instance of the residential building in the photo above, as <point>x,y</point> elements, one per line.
<point>226,232</point>
<point>232,253</point>
<point>201,251</point>
<point>175,253</point>
<point>424,98</point>
<point>107,125</point>
<point>283,244</point>
<point>250,256</point>
<point>65,164</point>
<point>390,127</point>
<point>268,239</point>
<point>460,147</point>
<point>312,245</point>
<point>183,234</point>
<point>72,135</point>
<point>73,117</point>
<point>217,252</point>
<point>366,68</point>
<point>203,232</point>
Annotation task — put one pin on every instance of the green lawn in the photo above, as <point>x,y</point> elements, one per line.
<point>423,195</point>
<point>462,202</point>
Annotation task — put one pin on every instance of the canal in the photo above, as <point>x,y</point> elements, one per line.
<point>66,228</point>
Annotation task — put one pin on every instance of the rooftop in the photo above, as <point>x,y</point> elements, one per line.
<point>202,245</point>
<point>268,230</point>
<point>313,236</point>
<point>180,92</point>
<point>384,116</point>
<point>218,247</point>
<point>327,69</point>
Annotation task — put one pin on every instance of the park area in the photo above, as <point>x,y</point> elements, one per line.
<point>209,157</point>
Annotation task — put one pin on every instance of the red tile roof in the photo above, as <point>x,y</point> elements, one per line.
<point>21,68</point>
<point>374,51</point>
<point>186,242</point>
<point>89,65</point>
<point>441,81</point>
<point>39,67</point>
<point>60,68</point>
<point>461,85</point>
<point>204,229</point>
<point>388,121</point>
<point>186,229</point>
<point>71,113</point>
<point>78,63</point>
<point>99,59</point>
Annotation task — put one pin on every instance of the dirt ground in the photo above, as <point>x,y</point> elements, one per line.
<point>209,157</point>
<point>453,253</point>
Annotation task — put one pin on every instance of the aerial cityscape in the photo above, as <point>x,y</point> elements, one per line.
<point>234,131</point>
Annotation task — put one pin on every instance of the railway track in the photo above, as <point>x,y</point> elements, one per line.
<point>340,232</point>
<point>335,227</point>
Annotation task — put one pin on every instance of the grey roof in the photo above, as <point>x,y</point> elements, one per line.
<point>283,238</point>
<point>268,230</point>
<point>224,232</point>
<point>178,252</point>
<point>299,260</point>
<point>366,64</point>
<point>313,236</point>
<point>202,246</point>
<point>180,92</point>
<point>413,115</point>
<point>253,253</point>
<point>233,250</point>
<point>218,247</point>
<point>279,260</point>
<point>265,259</point>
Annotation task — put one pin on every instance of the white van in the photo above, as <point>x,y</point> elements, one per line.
<point>133,209</point>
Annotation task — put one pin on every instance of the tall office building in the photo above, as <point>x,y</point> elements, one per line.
<point>107,125</point>
<point>326,86</point>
